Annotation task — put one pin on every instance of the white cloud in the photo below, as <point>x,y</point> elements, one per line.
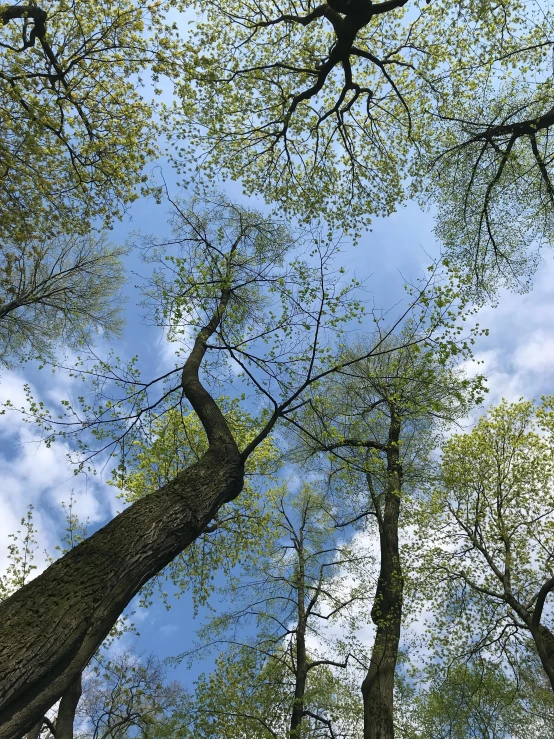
<point>32,473</point>
<point>518,355</point>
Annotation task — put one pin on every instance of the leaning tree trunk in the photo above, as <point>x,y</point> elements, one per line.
<point>378,685</point>
<point>52,626</point>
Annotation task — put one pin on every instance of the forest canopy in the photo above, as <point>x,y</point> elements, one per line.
<point>295,446</point>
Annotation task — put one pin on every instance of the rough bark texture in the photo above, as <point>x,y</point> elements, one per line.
<point>52,626</point>
<point>378,685</point>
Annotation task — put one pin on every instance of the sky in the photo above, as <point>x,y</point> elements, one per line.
<point>517,357</point>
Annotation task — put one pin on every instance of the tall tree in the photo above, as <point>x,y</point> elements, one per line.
<point>381,422</point>
<point>175,441</point>
<point>236,291</point>
<point>485,544</point>
<point>304,587</point>
<point>246,695</point>
<point>115,695</point>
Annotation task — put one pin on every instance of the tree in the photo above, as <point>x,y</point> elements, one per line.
<point>237,292</point>
<point>492,177</point>
<point>122,697</point>
<point>325,108</point>
<point>380,423</point>
<point>21,554</point>
<point>174,442</point>
<point>285,674</point>
<point>116,694</point>
<point>76,132</point>
<point>127,696</point>
<point>485,543</point>
<point>55,290</point>
<point>475,699</point>
<point>246,695</point>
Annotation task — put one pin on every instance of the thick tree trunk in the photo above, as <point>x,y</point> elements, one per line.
<point>378,685</point>
<point>52,626</point>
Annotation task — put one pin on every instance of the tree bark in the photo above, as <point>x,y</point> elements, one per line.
<point>544,642</point>
<point>297,713</point>
<point>35,731</point>
<point>66,712</point>
<point>52,626</point>
<point>378,685</point>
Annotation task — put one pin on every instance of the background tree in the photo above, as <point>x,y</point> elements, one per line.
<point>492,164</point>
<point>287,609</point>
<point>127,696</point>
<point>76,132</point>
<point>21,555</point>
<point>54,290</point>
<point>485,540</point>
<point>381,421</point>
<point>474,699</point>
<point>246,695</point>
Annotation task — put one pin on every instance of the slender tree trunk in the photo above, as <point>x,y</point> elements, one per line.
<point>301,660</point>
<point>378,685</point>
<point>299,687</point>
<point>66,712</point>
<point>52,626</point>
<point>35,731</point>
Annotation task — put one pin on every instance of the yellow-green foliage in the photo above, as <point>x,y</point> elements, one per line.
<point>177,440</point>
<point>342,151</point>
<point>249,694</point>
<point>486,532</point>
<point>75,131</point>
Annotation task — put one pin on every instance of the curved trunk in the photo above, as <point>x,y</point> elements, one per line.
<point>544,642</point>
<point>53,625</point>
<point>378,685</point>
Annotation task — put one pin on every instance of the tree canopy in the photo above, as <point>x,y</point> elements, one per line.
<point>327,108</point>
<point>335,113</point>
<point>57,291</point>
<point>487,554</point>
<point>76,131</point>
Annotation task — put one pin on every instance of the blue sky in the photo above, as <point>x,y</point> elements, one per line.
<point>517,356</point>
